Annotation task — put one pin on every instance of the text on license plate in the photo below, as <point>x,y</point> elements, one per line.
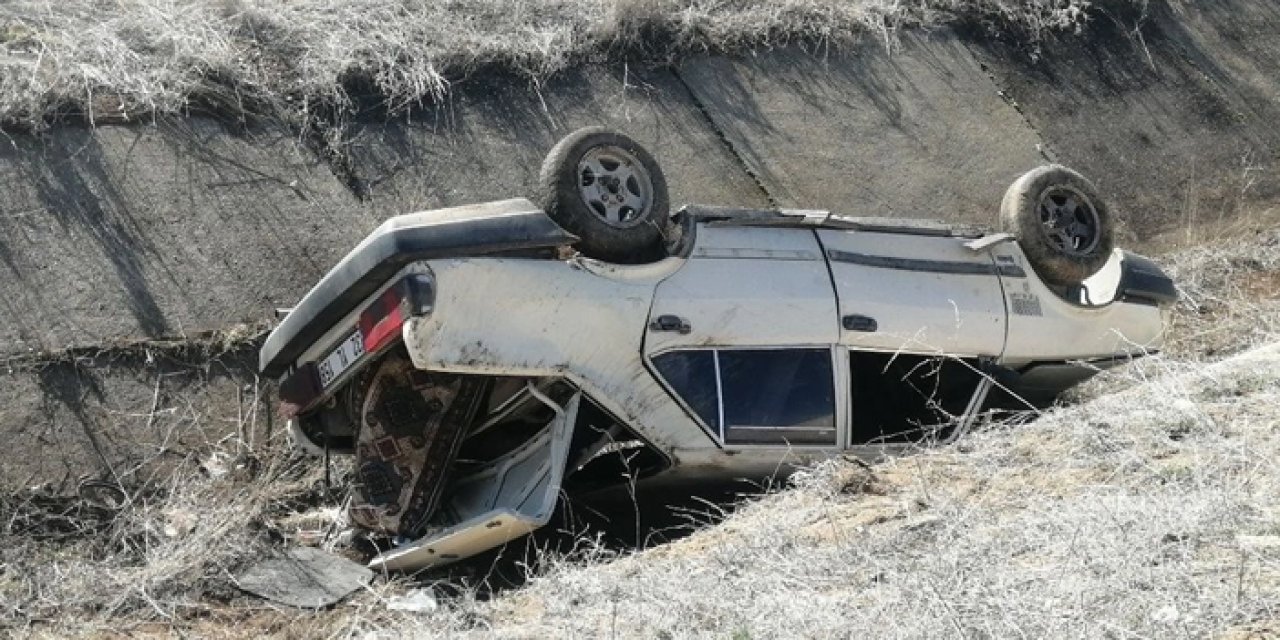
<point>342,357</point>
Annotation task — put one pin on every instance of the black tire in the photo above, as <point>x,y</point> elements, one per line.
<point>1062,224</point>
<point>603,187</point>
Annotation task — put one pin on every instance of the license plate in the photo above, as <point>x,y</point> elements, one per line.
<point>341,358</point>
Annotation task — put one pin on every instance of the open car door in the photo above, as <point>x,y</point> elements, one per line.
<point>509,498</point>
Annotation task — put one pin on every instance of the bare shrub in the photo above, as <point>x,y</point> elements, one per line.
<point>1230,295</point>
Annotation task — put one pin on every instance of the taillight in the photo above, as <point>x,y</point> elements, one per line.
<point>381,322</point>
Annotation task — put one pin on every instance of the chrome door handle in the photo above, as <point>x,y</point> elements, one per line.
<point>670,323</point>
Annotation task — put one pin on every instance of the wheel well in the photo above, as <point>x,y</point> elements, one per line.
<point>605,452</point>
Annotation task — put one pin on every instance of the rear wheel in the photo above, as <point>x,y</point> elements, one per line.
<point>1062,223</point>
<point>605,188</point>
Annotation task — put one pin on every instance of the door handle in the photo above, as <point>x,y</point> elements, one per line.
<point>670,323</point>
<point>855,322</point>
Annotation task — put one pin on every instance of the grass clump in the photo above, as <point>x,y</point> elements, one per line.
<point>293,59</point>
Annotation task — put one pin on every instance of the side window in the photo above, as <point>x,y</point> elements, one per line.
<point>907,398</point>
<point>783,396</point>
<point>766,396</point>
<point>692,376</point>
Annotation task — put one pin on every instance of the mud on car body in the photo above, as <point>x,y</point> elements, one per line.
<point>478,361</point>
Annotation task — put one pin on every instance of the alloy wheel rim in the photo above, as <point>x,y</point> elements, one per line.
<point>614,185</point>
<point>1069,221</point>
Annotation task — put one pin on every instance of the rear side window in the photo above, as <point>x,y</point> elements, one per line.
<point>692,376</point>
<point>757,396</point>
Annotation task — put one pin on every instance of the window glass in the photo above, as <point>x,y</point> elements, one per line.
<point>771,396</point>
<point>692,375</point>
<point>907,398</point>
<point>778,396</point>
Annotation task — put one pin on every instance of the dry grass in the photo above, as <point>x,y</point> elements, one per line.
<point>112,60</point>
<point>1230,295</point>
<point>188,480</point>
<point>166,553</point>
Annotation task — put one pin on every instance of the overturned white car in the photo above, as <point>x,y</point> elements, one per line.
<point>479,361</point>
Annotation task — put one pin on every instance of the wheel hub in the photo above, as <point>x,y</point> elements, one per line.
<point>1069,221</point>
<point>614,184</point>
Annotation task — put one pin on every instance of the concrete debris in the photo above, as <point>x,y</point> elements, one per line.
<point>416,601</point>
<point>304,577</point>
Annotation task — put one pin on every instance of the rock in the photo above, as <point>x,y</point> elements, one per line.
<point>304,577</point>
<point>415,601</point>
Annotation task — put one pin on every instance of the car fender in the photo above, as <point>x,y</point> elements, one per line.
<point>511,317</point>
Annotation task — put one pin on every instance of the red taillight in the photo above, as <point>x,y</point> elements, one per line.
<point>381,322</point>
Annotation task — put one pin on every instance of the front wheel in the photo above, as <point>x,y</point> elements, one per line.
<point>1062,224</point>
<point>605,188</point>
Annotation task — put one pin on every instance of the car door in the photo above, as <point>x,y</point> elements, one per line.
<point>743,336</point>
<point>915,293</point>
<point>918,316</point>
